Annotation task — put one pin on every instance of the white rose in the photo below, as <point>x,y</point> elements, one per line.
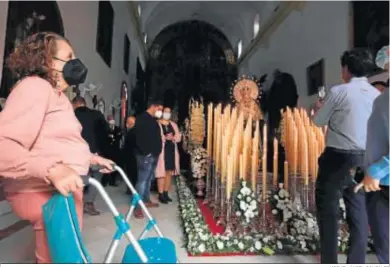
<point>202,248</point>
<point>279,245</point>
<point>243,184</point>
<point>276,197</point>
<point>257,245</point>
<point>238,214</point>
<point>220,245</point>
<point>235,241</point>
<point>242,205</point>
<point>239,196</point>
<point>248,199</point>
<point>274,212</point>
<point>241,246</point>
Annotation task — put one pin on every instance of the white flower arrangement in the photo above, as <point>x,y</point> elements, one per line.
<point>246,203</point>
<point>199,162</point>
<point>200,240</point>
<point>302,227</point>
<point>301,237</point>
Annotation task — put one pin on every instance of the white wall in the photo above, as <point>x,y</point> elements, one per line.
<point>321,30</point>
<point>80,25</point>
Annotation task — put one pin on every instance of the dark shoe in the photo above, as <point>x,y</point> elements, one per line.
<point>138,214</point>
<point>167,197</point>
<point>90,209</point>
<point>151,204</point>
<point>162,199</point>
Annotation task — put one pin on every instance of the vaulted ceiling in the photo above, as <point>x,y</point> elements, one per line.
<point>233,18</point>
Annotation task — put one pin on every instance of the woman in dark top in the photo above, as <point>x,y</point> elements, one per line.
<point>168,163</point>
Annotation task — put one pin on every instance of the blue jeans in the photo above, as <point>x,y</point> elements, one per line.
<point>146,166</point>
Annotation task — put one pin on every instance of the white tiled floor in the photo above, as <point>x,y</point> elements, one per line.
<point>98,232</point>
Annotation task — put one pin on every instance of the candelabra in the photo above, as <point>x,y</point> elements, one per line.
<point>305,197</point>
<point>229,218</point>
<point>217,196</point>
<point>312,195</point>
<point>222,206</point>
<point>263,217</point>
<point>293,186</point>
<point>209,182</point>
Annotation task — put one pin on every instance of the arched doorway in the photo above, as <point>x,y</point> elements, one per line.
<point>190,59</point>
<point>25,18</point>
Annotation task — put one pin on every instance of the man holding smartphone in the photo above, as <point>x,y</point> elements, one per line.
<point>345,110</point>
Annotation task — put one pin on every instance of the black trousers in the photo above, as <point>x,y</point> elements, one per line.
<point>333,182</point>
<point>378,217</point>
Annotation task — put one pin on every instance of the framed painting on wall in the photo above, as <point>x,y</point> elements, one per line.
<point>315,76</point>
<point>123,106</point>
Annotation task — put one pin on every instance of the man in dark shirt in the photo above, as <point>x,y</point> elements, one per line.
<point>128,153</point>
<point>148,148</point>
<point>94,132</point>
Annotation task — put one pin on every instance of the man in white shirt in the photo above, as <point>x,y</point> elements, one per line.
<point>345,110</point>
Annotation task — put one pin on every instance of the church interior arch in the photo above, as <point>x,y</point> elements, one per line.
<point>190,59</point>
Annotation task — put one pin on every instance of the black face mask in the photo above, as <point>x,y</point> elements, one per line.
<point>74,71</point>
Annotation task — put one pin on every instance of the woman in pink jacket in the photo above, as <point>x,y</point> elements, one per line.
<point>40,137</point>
<point>168,161</point>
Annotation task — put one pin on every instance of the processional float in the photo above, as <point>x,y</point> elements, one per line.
<point>237,152</point>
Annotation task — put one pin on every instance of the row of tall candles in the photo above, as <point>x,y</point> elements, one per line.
<point>236,152</point>
<point>233,146</point>
<point>303,143</point>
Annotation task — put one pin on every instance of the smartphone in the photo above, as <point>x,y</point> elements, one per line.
<point>321,92</point>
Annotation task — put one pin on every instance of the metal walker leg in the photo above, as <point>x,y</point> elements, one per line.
<point>122,225</point>
<point>135,201</point>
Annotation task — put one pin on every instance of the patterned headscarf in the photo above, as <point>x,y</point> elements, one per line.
<point>382,57</point>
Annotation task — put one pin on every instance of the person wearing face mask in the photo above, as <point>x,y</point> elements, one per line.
<point>168,162</point>
<point>345,109</point>
<point>129,153</point>
<point>113,149</point>
<point>42,136</point>
<point>148,146</point>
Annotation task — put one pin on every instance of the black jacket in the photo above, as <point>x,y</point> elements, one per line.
<point>95,129</point>
<point>147,135</point>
